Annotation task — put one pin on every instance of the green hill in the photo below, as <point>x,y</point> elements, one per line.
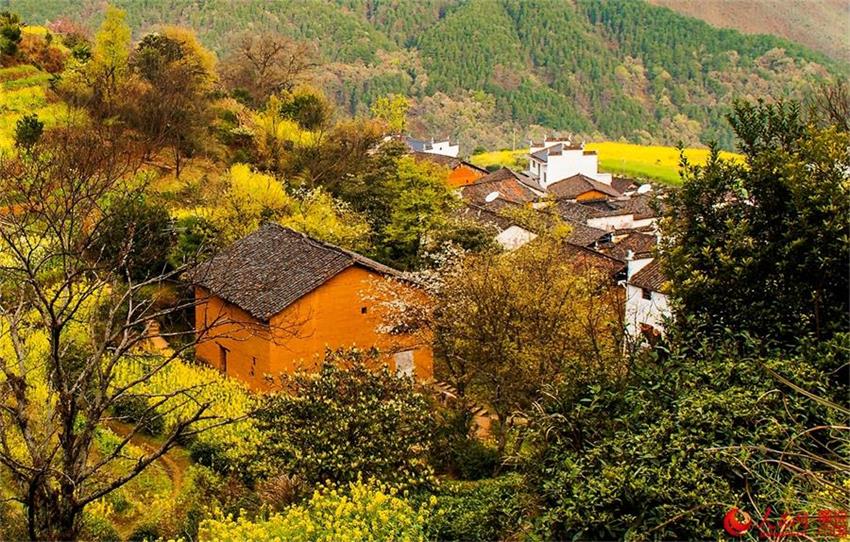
<point>602,68</point>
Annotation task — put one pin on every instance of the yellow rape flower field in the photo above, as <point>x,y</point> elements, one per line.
<point>649,162</point>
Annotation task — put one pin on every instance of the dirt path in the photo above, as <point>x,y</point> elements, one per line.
<point>174,462</point>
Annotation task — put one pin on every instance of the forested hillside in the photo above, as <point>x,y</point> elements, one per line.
<point>820,25</point>
<point>492,72</point>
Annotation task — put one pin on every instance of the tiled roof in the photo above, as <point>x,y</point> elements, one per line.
<point>543,154</point>
<point>638,243</point>
<point>490,213</point>
<point>584,257</point>
<point>572,187</point>
<point>572,210</point>
<point>650,278</point>
<point>623,184</point>
<point>422,144</point>
<point>273,267</point>
<point>640,205</point>
<point>556,150</point>
<point>581,234</point>
<point>448,161</point>
<point>487,214</point>
<point>510,185</point>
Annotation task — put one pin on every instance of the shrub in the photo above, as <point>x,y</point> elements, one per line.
<point>202,492</point>
<point>474,459</point>
<point>197,238</point>
<point>356,512</point>
<point>346,420</point>
<point>138,235</point>
<point>146,532</point>
<point>484,510</point>
<point>280,491</point>
<point>456,450</point>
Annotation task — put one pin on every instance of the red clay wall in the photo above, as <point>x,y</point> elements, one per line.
<point>245,338</point>
<point>330,317</point>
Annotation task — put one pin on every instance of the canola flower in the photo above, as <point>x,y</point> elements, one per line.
<point>358,512</point>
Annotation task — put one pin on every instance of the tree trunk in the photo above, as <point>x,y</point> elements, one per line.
<point>176,161</point>
<point>51,516</point>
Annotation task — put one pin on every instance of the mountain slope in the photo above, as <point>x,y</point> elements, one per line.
<point>484,69</point>
<point>822,25</point>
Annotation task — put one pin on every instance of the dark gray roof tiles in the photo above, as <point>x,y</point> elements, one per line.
<point>273,267</point>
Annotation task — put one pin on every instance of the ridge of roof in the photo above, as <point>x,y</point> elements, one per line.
<point>572,180</point>
<point>650,277</point>
<point>271,268</point>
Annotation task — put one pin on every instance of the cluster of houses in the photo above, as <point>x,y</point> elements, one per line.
<point>276,300</point>
<point>610,218</point>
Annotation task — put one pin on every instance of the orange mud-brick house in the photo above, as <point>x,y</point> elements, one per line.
<point>461,172</point>
<point>276,300</point>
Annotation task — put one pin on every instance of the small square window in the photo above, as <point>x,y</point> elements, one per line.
<point>647,294</point>
<point>363,310</point>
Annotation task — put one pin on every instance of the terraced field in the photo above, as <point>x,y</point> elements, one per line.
<point>649,162</point>
<point>24,90</point>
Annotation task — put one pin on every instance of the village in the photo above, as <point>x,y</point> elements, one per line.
<point>469,270</point>
<point>257,289</point>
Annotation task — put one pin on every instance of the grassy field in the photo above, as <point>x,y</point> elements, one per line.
<point>23,90</point>
<point>654,163</point>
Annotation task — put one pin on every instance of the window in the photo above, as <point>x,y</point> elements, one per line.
<point>646,294</point>
<point>544,176</point>
<point>363,310</point>
<point>222,358</point>
<point>404,363</point>
<point>253,366</point>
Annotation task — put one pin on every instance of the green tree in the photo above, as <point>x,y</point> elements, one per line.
<point>307,106</point>
<point>698,427</point>
<point>136,236</point>
<point>763,246</point>
<point>173,105</point>
<point>28,130</point>
<point>392,109</point>
<point>348,420</point>
<point>10,33</point>
<point>420,204</point>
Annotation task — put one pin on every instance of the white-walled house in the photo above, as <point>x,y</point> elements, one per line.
<point>557,159</point>
<point>514,237</point>
<point>647,302</point>
<point>443,147</point>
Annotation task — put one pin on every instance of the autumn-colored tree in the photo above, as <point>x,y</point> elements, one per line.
<point>506,324</point>
<point>98,80</point>
<point>70,316</point>
<point>252,197</point>
<point>175,80</point>
<point>263,64</point>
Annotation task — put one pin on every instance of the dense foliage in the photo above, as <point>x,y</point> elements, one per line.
<point>763,245</point>
<point>343,422</point>
<point>619,68</point>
